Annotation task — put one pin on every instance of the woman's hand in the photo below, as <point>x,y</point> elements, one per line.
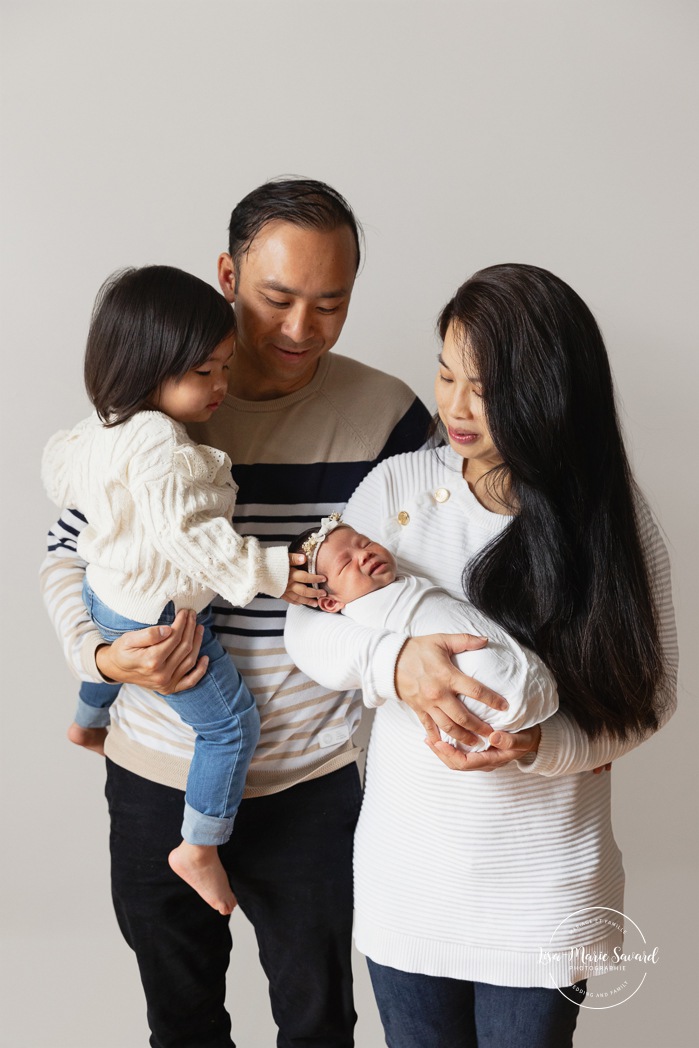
<point>298,590</point>
<point>504,747</point>
<point>161,658</point>
<point>429,682</point>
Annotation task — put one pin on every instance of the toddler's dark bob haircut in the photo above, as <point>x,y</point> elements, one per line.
<point>149,325</point>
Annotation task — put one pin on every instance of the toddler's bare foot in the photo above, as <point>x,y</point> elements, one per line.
<point>200,866</point>
<point>89,738</point>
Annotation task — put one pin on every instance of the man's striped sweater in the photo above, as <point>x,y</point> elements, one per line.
<point>295,459</point>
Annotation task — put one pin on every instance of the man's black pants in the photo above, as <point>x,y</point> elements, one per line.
<point>290,865</point>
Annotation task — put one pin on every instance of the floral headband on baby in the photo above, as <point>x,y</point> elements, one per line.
<point>313,543</point>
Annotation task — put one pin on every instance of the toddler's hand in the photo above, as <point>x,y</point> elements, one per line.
<point>298,589</point>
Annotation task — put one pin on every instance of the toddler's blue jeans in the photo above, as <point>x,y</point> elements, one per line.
<point>219,708</point>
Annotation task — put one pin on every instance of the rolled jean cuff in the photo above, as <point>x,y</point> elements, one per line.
<point>91,716</point>
<point>205,829</point>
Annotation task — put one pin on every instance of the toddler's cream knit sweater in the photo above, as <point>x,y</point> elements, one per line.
<point>159,511</point>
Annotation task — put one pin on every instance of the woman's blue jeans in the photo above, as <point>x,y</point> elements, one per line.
<point>219,708</point>
<point>425,1011</point>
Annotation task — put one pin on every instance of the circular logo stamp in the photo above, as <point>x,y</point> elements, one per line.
<point>610,951</point>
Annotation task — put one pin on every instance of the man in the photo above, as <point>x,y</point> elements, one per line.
<point>302,428</point>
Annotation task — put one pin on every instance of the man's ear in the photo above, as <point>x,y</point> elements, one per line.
<point>330,604</point>
<point>226,276</point>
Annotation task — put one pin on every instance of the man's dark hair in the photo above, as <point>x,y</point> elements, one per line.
<point>303,202</point>
<point>149,325</point>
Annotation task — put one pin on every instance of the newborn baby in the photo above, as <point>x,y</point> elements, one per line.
<point>364,584</point>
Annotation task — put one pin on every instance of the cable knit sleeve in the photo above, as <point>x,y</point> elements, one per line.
<point>55,473</point>
<point>184,496</point>
<point>564,747</point>
<point>336,652</point>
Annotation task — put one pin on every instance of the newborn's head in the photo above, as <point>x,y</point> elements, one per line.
<point>353,566</point>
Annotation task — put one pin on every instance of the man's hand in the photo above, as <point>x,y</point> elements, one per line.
<point>299,589</point>
<point>429,682</point>
<point>161,658</point>
<point>504,747</point>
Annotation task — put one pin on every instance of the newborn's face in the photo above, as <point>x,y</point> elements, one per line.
<point>354,565</point>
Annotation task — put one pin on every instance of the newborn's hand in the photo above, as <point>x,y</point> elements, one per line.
<point>299,589</point>
<point>504,747</point>
<point>429,682</point>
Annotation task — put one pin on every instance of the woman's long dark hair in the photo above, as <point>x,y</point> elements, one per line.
<point>568,576</point>
<point>149,325</point>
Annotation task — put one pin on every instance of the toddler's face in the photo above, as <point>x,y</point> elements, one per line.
<point>199,392</point>
<point>353,566</point>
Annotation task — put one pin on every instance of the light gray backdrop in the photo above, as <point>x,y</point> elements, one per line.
<point>467,133</point>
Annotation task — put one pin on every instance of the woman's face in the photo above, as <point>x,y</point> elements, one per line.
<point>458,393</point>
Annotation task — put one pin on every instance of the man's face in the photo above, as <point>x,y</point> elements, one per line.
<point>291,298</point>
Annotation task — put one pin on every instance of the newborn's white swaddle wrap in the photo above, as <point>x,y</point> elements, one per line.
<point>414,606</point>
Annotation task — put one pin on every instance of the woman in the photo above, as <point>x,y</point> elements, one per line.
<point>530,510</point>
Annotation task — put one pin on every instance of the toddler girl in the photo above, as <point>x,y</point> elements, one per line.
<point>159,534</point>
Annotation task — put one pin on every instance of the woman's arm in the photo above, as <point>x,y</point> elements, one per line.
<point>562,748</point>
<point>342,655</point>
